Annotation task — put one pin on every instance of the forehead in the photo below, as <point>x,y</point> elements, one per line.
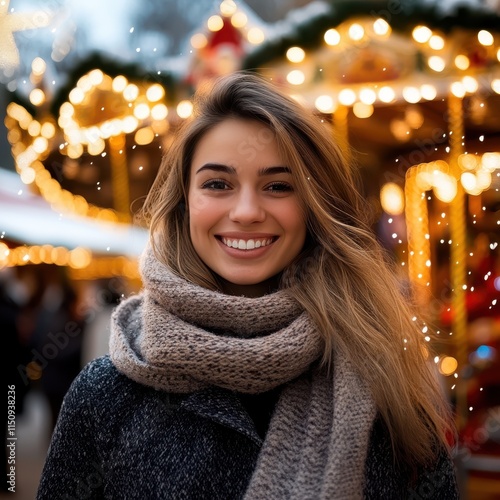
<point>237,141</point>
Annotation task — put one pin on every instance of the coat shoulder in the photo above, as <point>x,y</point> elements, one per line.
<point>99,385</point>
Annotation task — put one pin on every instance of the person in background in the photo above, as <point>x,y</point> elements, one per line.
<point>270,354</point>
<point>13,295</point>
<point>56,336</point>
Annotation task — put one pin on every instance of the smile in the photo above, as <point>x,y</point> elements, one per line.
<point>247,244</point>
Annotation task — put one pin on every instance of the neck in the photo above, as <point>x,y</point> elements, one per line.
<point>257,290</point>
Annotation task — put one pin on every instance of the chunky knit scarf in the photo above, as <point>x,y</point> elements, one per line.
<point>180,337</point>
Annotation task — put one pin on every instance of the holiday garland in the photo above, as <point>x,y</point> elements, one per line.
<point>402,16</point>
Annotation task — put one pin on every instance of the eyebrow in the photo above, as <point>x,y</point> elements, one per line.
<point>218,167</point>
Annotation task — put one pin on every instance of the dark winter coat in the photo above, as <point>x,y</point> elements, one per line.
<point>116,439</point>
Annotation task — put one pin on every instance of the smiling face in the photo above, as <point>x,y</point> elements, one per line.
<point>245,219</point>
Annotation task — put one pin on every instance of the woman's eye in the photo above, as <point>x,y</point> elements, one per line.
<point>279,187</point>
<point>215,184</point>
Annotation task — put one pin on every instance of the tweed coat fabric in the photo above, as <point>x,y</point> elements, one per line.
<point>119,440</point>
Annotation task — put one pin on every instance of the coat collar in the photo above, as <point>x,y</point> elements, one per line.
<point>223,407</point>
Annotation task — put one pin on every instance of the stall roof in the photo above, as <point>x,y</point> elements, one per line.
<point>27,218</point>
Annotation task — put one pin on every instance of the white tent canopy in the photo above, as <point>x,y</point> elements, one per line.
<point>28,219</point>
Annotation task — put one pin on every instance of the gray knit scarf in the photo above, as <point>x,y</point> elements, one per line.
<point>180,337</point>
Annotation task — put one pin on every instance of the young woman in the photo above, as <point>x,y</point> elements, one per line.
<point>271,354</point>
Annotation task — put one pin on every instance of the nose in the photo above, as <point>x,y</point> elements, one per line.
<point>247,208</point>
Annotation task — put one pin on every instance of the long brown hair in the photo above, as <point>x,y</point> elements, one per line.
<point>341,278</point>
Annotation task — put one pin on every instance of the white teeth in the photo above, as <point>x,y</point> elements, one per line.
<point>246,245</point>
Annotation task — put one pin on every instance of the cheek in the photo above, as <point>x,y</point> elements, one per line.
<point>293,220</point>
<point>204,213</point>
<point>197,202</point>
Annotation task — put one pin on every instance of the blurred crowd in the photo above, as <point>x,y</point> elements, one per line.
<point>51,327</point>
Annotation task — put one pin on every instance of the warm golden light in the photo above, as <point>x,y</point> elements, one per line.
<point>227,8</point>
<point>198,41</point>
<point>185,109</point>
<point>362,110</point>
<point>76,96</point>
<point>381,27</point>
<point>34,128</point>
<point>28,175</point>
<point>491,161</point>
<point>130,123</point>
<point>356,32</point>
<point>367,96</point>
<point>215,23</point>
<point>436,42</point>
<point>4,251</point>
<point>411,94</point>
<point>485,38</point>
<point>130,92</point>
<point>468,162</point>
<point>392,198</point>
<point>155,92</point>
<point>239,20</point>
<point>66,110</point>
<point>96,77</point>
<point>414,117</point>
<point>332,37</point>
<point>296,77</point>
<point>483,177</point>
<point>40,145</point>
<point>428,92</point>
<point>38,66</point>
<point>119,83</point>
<point>445,186</point>
<point>141,111</point>
<point>79,258</point>
<point>448,366</point>
<point>470,84</point>
<point>436,63</point>
<point>295,54</point>
<point>255,36</point>
<point>84,83</point>
<point>457,89</point>
<point>37,97</point>
<point>386,94</point>
<point>347,97</point>
<point>325,104</point>
<point>144,136</point>
<point>48,130</point>
<point>159,112</point>
<point>462,62</point>
<point>96,147</point>
<point>469,181</point>
<point>74,151</point>
<point>421,34</point>
<point>399,129</point>
<point>495,85</point>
